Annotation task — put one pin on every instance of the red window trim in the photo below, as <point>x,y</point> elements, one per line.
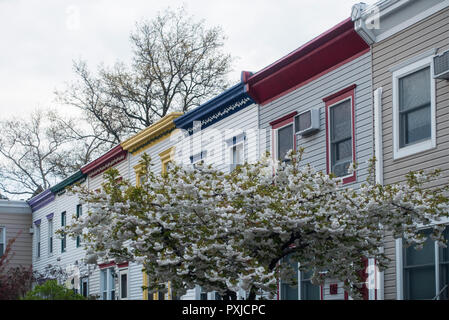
<point>106,265</point>
<point>111,264</point>
<point>331,100</point>
<point>279,123</point>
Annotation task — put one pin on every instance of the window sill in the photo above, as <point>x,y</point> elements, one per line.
<point>414,149</point>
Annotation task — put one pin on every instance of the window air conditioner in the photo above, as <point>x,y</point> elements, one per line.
<point>441,66</point>
<point>308,122</point>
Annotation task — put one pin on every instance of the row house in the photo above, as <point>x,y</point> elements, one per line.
<point>222,132</point>
<point>15,223</point>
<point>409,43</point>
<point>318,98</point>
<point>55,208</point>
<point>373,85</point>
<point>156,142</point>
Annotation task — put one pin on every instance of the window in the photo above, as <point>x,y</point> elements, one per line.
<point>38,240</point>
<point>425,272</point>
<point>63,237</point>
<point>284,141</point>
<point>79,212</point>
<point>283,136</point>
<point>124,284</point>
<point>2,240</point>
<point>340,133</point>
<point>107,281</point>
<point>84,287</point>
<point>104,284</point>
<point>50,236</point>
<point>413,108</point>
<point>309,291</point>
<point>289,291</point>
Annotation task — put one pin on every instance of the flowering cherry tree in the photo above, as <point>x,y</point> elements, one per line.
<point>230,231</point>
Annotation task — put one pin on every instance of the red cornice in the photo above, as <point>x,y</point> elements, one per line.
<point>112,154</point>
<point>317,57</point>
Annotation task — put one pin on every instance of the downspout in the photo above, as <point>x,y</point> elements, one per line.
<point>378,152</point>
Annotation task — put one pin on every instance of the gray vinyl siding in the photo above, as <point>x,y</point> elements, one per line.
<point>311,96</point>
<point>21,248</point>
<point>432,32</point>
<point>358,72</point>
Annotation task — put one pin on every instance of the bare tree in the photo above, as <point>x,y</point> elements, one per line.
<point>177,64</point>
<point>36,152</point>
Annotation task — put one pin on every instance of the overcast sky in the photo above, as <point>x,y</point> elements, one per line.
<point>39,39</point>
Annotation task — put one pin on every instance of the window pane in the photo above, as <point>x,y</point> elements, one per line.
<point>340,117</point>
<point>444,269</point>
<point>414,90</point>
<point>285,141</point>
<point>419,271</point>
<point>415,126</point>
<point>308,290</point>
<point>124,285</point>
<point>420,283</point>
<point>289,291</point>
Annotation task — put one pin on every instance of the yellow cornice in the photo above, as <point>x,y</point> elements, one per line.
<point>151,135</point>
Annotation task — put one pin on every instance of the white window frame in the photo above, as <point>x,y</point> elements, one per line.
<point>231,153</point>
<point>51,242</point>
<point>3,239</point>
<point>398,152</point>
<point>108,273</point>
<point>38,241</point>
<point>78,215</point>
<point>87,285</point>
<point>123,271</point>
<point>328,132</point>
<point>400,268</point>
<point>275,136</point>
<point>64,235</point>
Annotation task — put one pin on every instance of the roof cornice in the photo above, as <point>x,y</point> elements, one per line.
<point>110,158</point>
<point>151,135</point>
<point>79,175</point>
<point>41,200</point>
<point>326,52</point>
<point>223,105</point>
<point>14,207</point>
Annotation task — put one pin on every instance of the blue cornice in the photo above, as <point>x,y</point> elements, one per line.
<point>216,109</point>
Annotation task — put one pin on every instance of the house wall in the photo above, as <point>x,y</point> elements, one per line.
<point>16,221</point>
<point>213,139</point>
<point>432,32</point>
<point>358,72</point>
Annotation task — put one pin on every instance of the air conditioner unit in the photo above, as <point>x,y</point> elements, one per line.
<point>441,66</point>
<point>308,122</point>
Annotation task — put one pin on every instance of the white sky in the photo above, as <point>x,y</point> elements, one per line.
<point>40,38</point>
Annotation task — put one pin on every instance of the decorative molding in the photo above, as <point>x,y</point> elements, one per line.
<point>50,216</point>
<point>338,45</point>
<point>109,159</point>
<point>41,200</point>
<point>151,135</point>
<point>76,177</point>
<point>223,105</point>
